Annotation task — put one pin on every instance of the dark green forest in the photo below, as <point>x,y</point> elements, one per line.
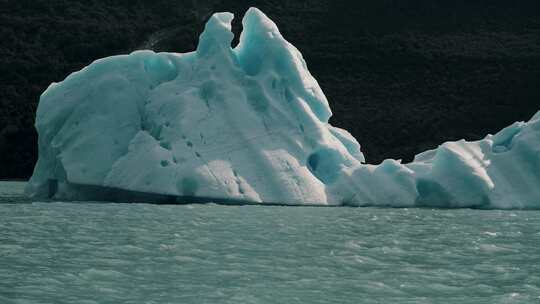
<point>402,76</point>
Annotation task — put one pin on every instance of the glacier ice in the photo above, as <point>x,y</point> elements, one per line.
<point>249,125</point>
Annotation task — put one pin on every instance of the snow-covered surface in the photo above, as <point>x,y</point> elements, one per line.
<point>249,124</point>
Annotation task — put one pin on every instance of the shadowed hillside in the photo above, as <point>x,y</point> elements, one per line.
<point>401,76</point>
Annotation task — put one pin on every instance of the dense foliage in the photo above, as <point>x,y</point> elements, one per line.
<point>402,76</point>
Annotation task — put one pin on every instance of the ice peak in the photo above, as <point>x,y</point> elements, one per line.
<point>256,22</point>
<point>217,34</point>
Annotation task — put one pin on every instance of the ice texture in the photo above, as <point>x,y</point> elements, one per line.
<point>249,125</point>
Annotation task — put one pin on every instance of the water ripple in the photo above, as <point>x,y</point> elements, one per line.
<point>116,253</point>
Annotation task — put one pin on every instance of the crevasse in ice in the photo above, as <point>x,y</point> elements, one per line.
<point>248,125</point>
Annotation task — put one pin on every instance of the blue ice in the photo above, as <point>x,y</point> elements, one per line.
<point>249,124</point>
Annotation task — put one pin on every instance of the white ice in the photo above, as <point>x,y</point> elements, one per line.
<point>249,125</point>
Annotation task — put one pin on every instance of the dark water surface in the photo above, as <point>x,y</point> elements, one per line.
<point>142,253</point>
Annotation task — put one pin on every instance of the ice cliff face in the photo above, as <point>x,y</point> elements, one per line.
<point>500,171</point>
<point>248,124</point>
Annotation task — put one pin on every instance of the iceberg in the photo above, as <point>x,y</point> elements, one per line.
<point>249,125</point>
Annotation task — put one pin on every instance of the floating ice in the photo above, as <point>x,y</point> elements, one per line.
<point>248,124</point>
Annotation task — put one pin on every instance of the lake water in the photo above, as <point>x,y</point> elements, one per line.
<point>142,253</point>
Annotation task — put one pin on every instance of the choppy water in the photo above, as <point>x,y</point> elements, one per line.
<point>139,253</point>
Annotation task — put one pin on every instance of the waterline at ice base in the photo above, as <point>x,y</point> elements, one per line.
<point>249,125</point>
